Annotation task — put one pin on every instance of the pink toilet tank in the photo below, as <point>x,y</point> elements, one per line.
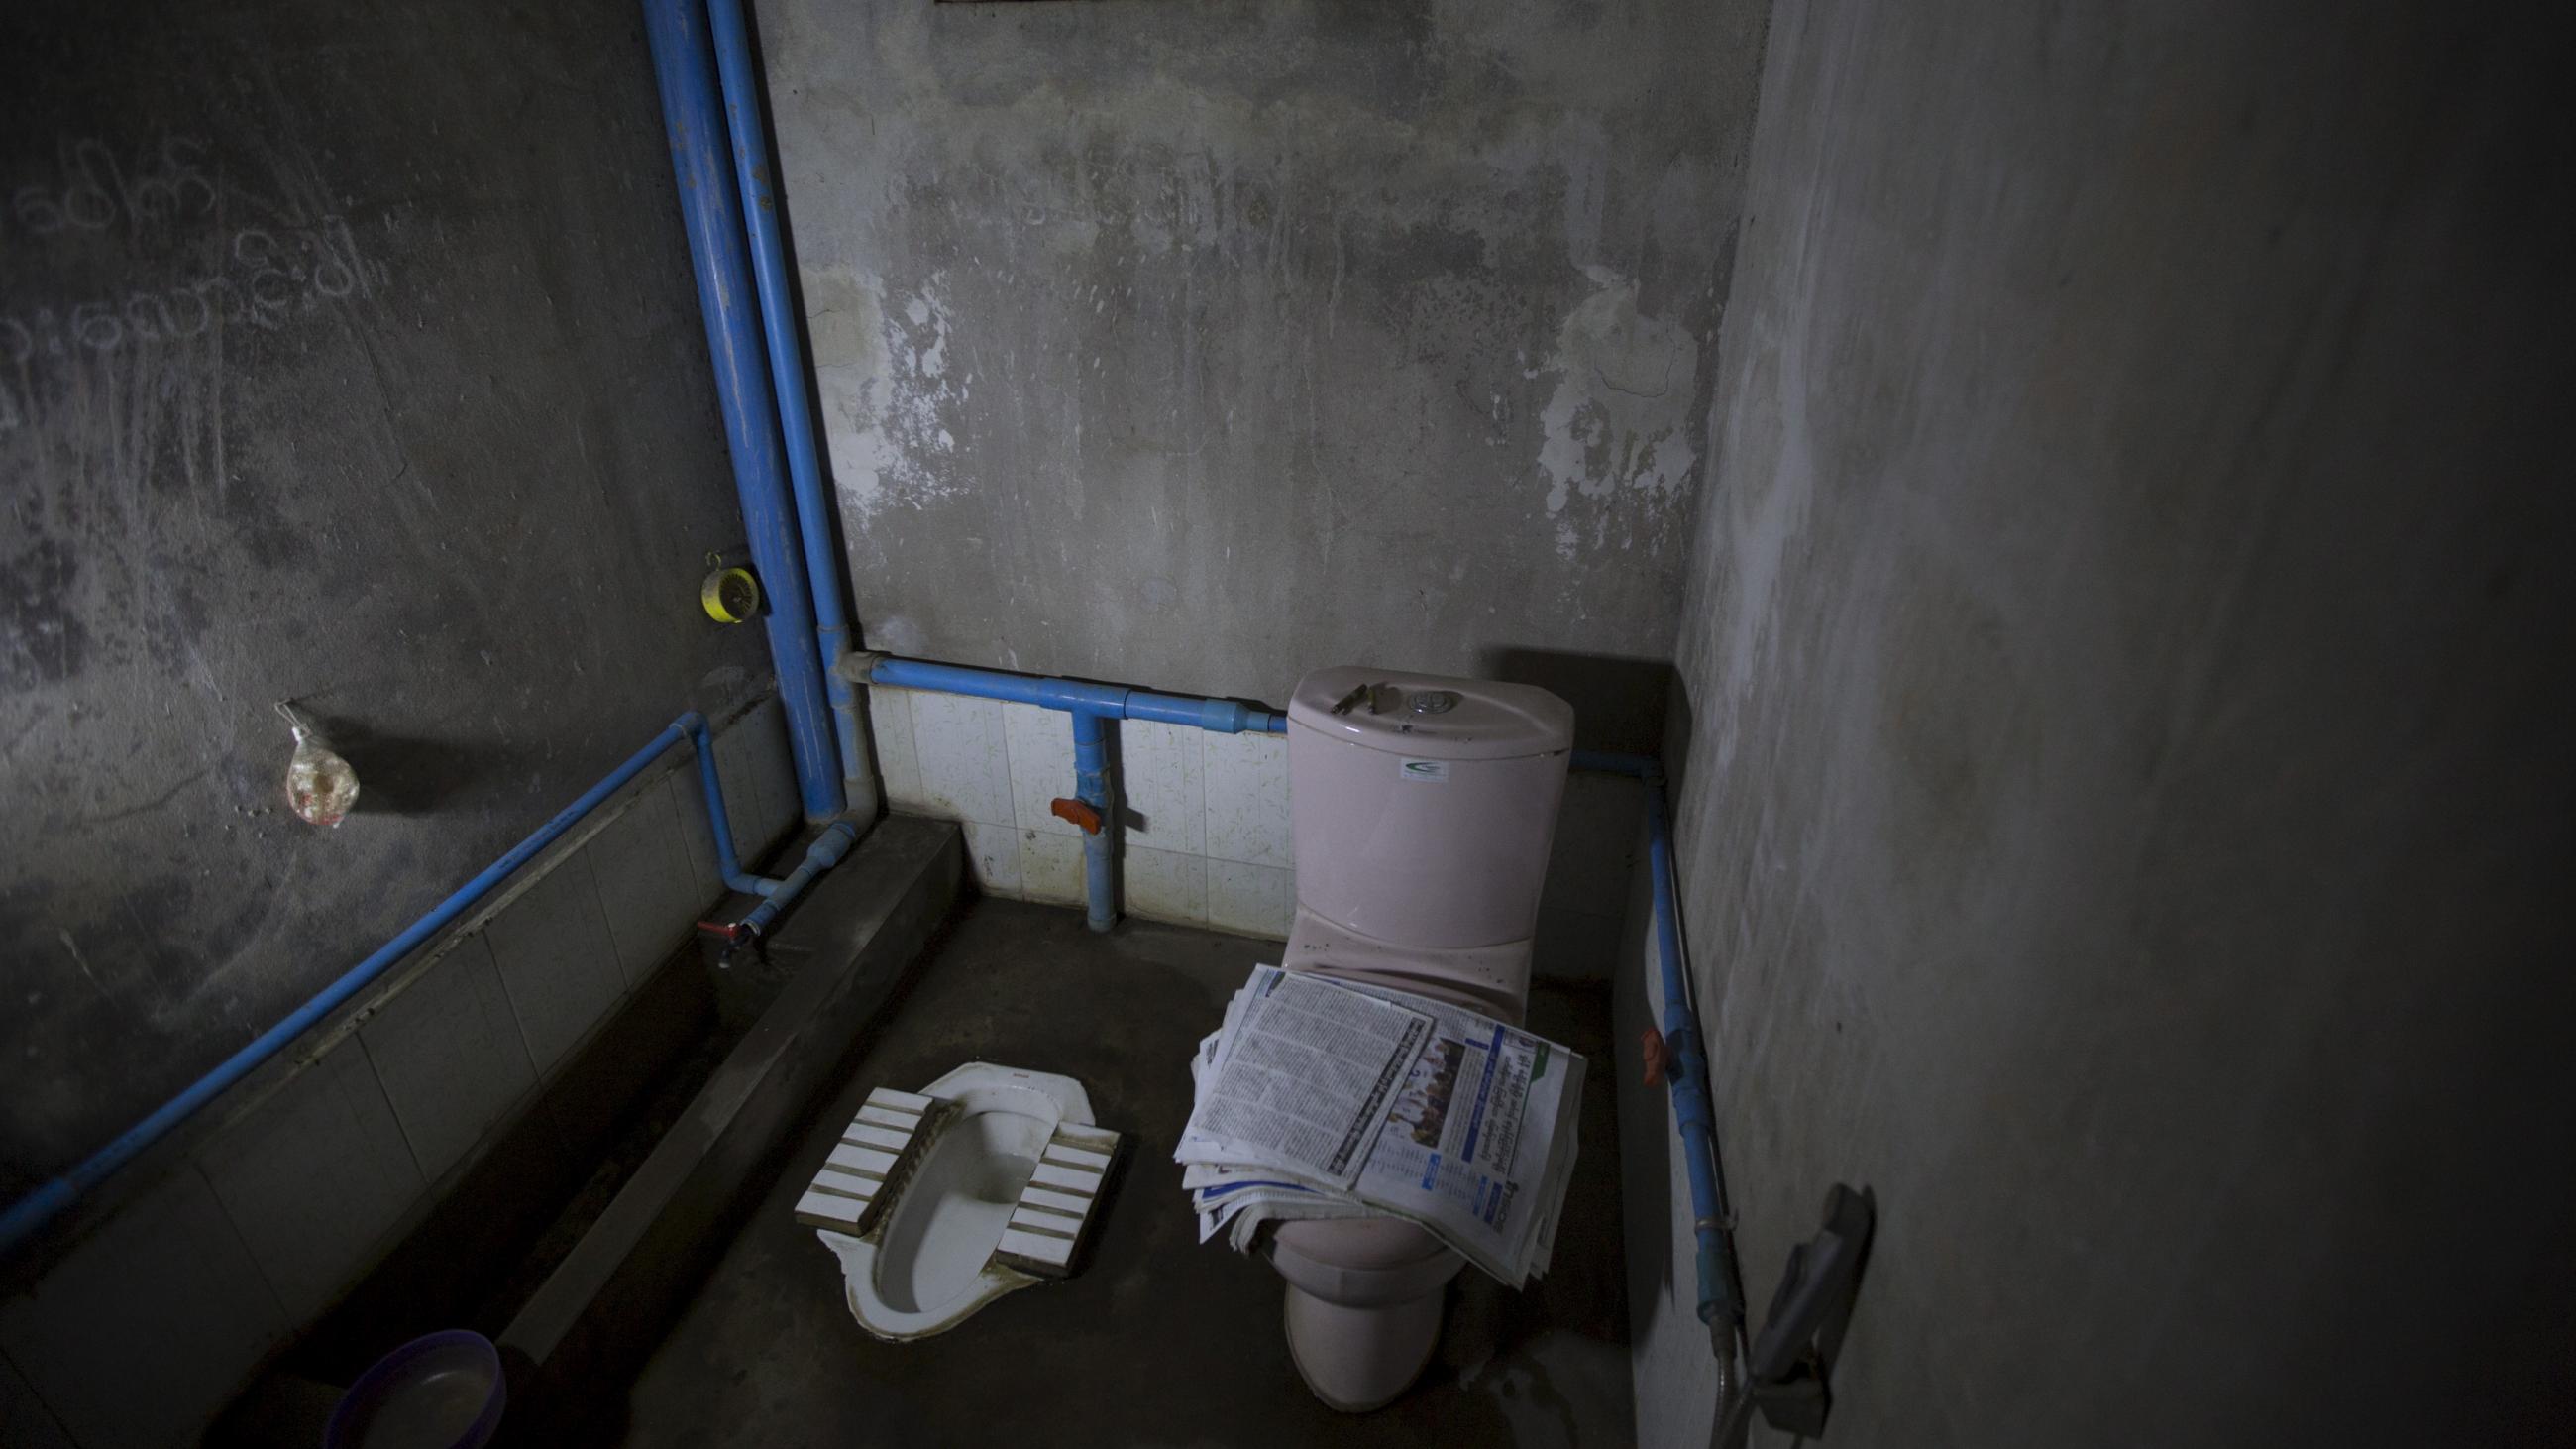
<point>1424,806</point>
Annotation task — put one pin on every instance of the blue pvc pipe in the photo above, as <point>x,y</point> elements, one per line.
<point>758,180</point>
<point>728,863</point>
<point>1090,704</point>
<point>1065,694</point>
<point>1091,786</point>
<point>684,67</point>
<point>1721,1304</point>
<point>1218,716</point>
<point>825,853</point>
<point>37,1208</point>
<point>1110,701</point>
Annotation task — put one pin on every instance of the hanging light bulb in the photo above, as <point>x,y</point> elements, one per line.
<point>319,784</point>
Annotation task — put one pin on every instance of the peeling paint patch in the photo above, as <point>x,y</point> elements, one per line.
<point>1619,424</point>
<point>893,399</point>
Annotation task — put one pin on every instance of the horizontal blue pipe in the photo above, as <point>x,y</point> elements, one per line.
<point>1089,704</point>
<point>40,1207</point>
<point>1109,701</point>
<point>1721,1305</point>
<point>1218,716</point>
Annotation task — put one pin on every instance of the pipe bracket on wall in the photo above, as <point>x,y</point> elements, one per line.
<point>1792,1359</point>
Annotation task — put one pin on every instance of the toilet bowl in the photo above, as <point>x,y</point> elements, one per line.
<point>940,1201</point>
<point>1423,809</point>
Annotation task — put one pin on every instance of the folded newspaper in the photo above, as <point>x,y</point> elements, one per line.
<point>1324,1098</point>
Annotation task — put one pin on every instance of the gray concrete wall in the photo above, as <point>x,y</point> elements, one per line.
<point>1200,343</point>
<point>352,358</point>
<point>2127,815</point>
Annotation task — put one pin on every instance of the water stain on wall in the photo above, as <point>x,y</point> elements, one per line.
<point>893,396</point>
<point>1357,350</point>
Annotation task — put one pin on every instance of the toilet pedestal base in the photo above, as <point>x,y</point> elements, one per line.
<point>1359,1359</point>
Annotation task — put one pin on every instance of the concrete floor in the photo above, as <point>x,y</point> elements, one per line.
<point>1160,1341</point>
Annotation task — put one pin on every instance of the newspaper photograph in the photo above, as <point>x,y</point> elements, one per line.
<point>1457,1154</point>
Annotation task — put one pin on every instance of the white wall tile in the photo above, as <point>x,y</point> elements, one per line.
<point>647,890</point>
<point>1245,778</point>
<point>1051,867</point>
<point>773,768</point>
<point>747,814</point>
<point>1165,885</point>
<point>315,1177</point>
<point>149,1326</point>
<point>1041,746</point>
<point>25,1422</point>
<point>448,1051</point>
<point>890,721</point>
<point>557,962</point>
<point>688,796</point>
<point>1159,770</point>
<point>965,763</point>
<point>993,853</point>
<point>1256,900</point>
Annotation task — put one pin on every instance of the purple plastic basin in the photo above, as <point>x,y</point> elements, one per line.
<point>444,1391</point>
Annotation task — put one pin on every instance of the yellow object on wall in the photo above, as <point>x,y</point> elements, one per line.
<point>731,596</point>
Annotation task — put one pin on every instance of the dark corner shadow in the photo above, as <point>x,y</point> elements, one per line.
<point>1620,701</point>
<point>1634,705</point>
<point>402,774</point>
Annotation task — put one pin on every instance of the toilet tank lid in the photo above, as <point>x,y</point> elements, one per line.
<point>1431,716</point>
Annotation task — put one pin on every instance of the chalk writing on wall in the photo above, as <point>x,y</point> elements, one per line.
<point>193,269</point>
<point>95,191</point>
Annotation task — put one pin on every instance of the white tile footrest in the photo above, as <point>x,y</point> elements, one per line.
<point>879,1147</point>
<point>1060,1201</point>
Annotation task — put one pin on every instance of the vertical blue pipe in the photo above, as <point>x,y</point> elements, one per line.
<point>677,33</point>
<point>729,867</point>
<point>1719,1304</point>
<point>759,183</point>
<point>1091,786</point>
<point>1721,1298</point>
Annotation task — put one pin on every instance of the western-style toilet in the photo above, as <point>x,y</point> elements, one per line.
<point>1423,809</point>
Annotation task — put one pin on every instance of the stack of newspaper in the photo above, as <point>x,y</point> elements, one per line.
<point>1335,1099</point>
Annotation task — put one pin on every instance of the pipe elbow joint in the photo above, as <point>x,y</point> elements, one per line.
<point>1226,717</point>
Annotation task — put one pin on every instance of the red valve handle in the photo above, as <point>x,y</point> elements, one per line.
<point>1651,1046</point>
